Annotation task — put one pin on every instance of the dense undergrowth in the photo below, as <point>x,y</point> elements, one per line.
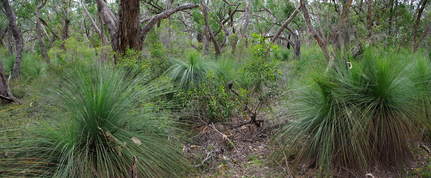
<point>84,118</point>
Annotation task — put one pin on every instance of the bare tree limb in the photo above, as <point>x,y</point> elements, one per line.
<point>293,15</point>
<point>322,44</point>
<point>93,22</point>
<point>164,15</point>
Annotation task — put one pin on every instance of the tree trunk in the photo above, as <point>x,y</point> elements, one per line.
<point>41,42</point>
<point>247,15</point>
<point>322,44</point>
<point>370,18</point>
<point>2,35</point>
<point>65,33</point>
<point>419,13</point>
<point>3,82</point>
<point>19,44</point>
<point>208,29</point>
<point>5,93</point>
<point>393,5</point>
<point>123,32</point>
<point>342,31</point>
<point>110,20</point>
<point>128,31</point>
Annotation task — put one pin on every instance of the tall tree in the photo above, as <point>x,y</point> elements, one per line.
<point>16,32</point>
<point>125,31</point>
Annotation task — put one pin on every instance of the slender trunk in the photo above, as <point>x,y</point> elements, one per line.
<point>41,41</point>
<point>370,18</point>
<point>3,82</point>
<point>423,36</point>
<point>5,93</point>
<point>2,35</point>
<point>419,13</point>
<point>342,31</point>
<point>209,31</point>
<point>391,16</point>
<point>322,44</point>
<point>65,33</point>
<point>247,15</point>
<point>110,20</point>
<point>16,32</point>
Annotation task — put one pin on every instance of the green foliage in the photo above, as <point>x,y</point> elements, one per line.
<point>106,127</point>
<point>259,73</point>
<point>260,47</point>
<point>356,119</point>
<point>211,102</point>
<point>32,65</point>
<point>70,51</point>
<point>189,73</point>
<point>208,97</point>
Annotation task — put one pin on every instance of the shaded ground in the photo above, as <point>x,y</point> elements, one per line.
<point>222,151</point>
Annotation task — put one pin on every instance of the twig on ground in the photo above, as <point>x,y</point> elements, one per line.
<point>288,171</point>
<point>225,137</point>
<point>425,148</point>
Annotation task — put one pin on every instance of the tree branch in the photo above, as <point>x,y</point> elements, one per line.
<point>108,18</point>
<point>293,15</point>
<point>164,15</point>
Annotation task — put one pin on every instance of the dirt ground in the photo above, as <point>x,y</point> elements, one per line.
<point>224,150</point>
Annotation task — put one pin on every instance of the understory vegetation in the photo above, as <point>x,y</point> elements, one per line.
<point>233,88</point>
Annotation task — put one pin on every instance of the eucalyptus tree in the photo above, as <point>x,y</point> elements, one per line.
<point>17,35</point>
<point>125,29</point>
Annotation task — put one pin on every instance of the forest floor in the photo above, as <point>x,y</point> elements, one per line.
<point>222,151</point>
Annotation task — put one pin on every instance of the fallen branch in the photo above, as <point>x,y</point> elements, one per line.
<point>224,136</point>
<point>8,99</point>
<point>209,156</point>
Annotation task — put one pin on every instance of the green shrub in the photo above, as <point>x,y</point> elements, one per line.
<point>105,125</point>
<point>259,72</point>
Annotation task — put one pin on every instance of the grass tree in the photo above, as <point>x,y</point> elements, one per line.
<point>100,131</point>
<point>354,119</point>
<point>190,72</point>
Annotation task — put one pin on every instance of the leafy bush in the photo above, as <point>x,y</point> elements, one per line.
<point>105,126</point>
<point>355,119</point>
